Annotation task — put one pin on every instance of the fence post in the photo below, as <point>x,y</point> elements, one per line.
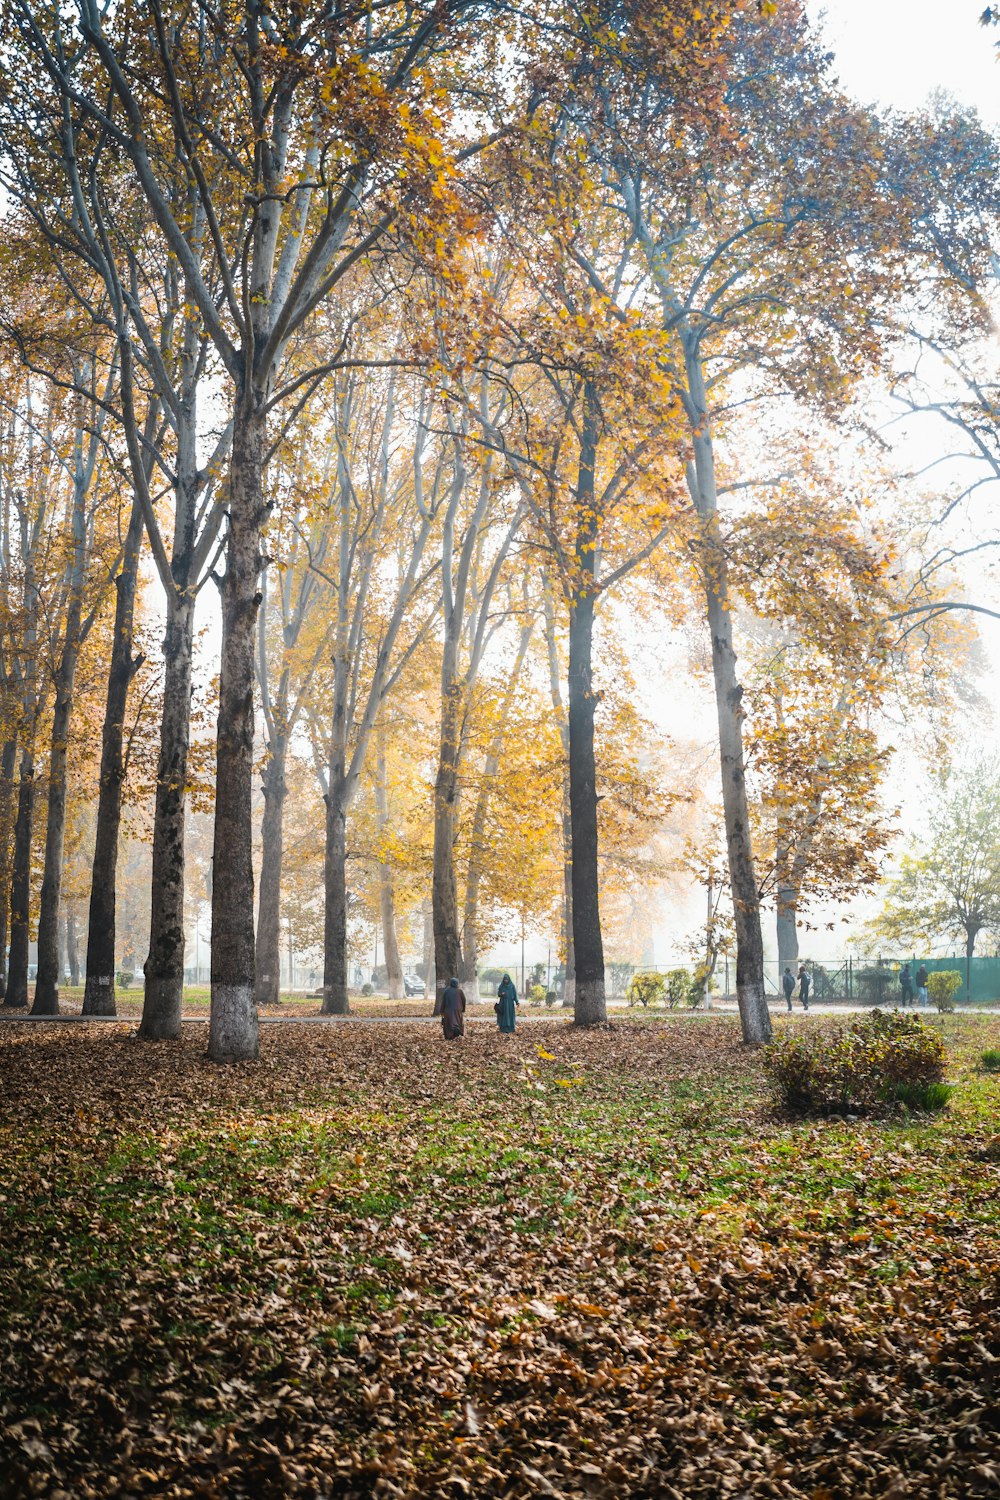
<point>727,976</point>
<point>850,981</point>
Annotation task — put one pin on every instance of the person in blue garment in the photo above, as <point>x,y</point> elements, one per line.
<point>506,1004</point>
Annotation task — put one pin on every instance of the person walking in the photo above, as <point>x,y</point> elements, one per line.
<point>804,983</point>
<point>922,995</point>
<point>453,1011</point>
<point>906,985</point>
<point>788,985</point>
<point>506,1003</point>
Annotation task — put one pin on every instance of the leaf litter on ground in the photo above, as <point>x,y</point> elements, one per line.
<point>377,1264</point>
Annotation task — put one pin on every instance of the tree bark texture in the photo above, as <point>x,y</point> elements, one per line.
<point>390,943</point>
<point>164,966</point>
<point>99,988</point>
<point>46,1002</point>
<point>8,804</point>
<point>267,983</point>
<point>335,1001</point>
<point>20,885</point>
<point>754,1016</point>
<point>233,1033</point>
<point>72,946</point>
<point>590,1006</point>
<point>444,895</point>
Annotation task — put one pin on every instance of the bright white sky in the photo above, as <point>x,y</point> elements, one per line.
<point>899,52</point>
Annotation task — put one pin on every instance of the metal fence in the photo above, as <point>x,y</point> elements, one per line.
<point>857,981</point>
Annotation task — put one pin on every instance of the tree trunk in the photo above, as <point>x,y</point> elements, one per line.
<point>787,927</point>
<point>569,984</point>
<point>393,967</point>
<point>233,1033</point>
<point>72,946</point>
<point>99,990</point>
<point>20,885</point>
<point>46,1002</point>
<point>754,1016</point>
<point>590,1007</point>
<point>268,956</point>
<point>335,1001</point>
<point>428,949</point>
<point>444,896</point>
<point>164,966</point>
<point>8,803</point>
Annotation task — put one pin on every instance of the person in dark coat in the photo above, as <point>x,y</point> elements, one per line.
<point>922,985</point>
<point>804,986</point>
<point>788,985</point>
<point>905,985</point>
<point>505,1006</point>
<point>453,1011</point>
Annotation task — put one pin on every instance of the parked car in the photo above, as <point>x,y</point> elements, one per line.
<point>412,985</point>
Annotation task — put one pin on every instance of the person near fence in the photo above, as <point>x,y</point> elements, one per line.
<point>905,985</point>
<point>453,1011</point>
<point>505,1006</point>
<point>788,985</point>
<point>804,983</point>
<point>922,995</point>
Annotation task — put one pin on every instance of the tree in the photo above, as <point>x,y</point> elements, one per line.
<point>950,885</point>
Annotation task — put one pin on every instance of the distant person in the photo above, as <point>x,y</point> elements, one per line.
<point>506,1003</point>
<point>922,995</point>
<point>906,985</point>
<point>804,986</point>
<point>453,1011</point>
<point>788,985</point>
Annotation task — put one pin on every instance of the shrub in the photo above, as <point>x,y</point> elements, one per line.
<point>646,989</point>
<point>124,978</point>
<point>876,986</point>
<point>366,989</point>
<point>536,994</point>
<point>678,987</point>
<point>860,1069</point>
<point>991,1060</point>
<point>550,998</point>
<point>941,987</point>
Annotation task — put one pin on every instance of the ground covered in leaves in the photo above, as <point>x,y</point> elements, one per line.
<point>563,1264</point>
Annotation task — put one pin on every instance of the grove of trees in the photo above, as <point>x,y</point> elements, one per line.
<point>406,364</point>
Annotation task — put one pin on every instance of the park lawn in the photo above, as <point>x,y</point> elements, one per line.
<point>563,1264</point>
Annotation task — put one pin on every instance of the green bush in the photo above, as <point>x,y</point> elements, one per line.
<point>876,986</point>
<point>536,994</point>
<point>942,986</point>
<point>857,1070</point>
<point>991,1060</point>
<point>124,978</point>
<point>927,1098</point>
<point>646,989</point>
<point>678,987</point>
<point>366,989</point>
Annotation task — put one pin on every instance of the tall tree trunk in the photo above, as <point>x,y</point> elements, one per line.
<point>569,983</point>
<point>8,804</point>
<point>393,967</point>
<point>786,926</point>
<point>444,895</point>
<point>72,946</point>
<point>268,956</point>
<point>99,989</point>
<point>469,970</point>
<point>164,966</point>
<point>46,1002</point>
<point>20,885</point>
<point>335,1001</point>
<point>590,1007</point>
<point>427,911</point>
<point>754,1016</point>
<point>233,1034</point>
